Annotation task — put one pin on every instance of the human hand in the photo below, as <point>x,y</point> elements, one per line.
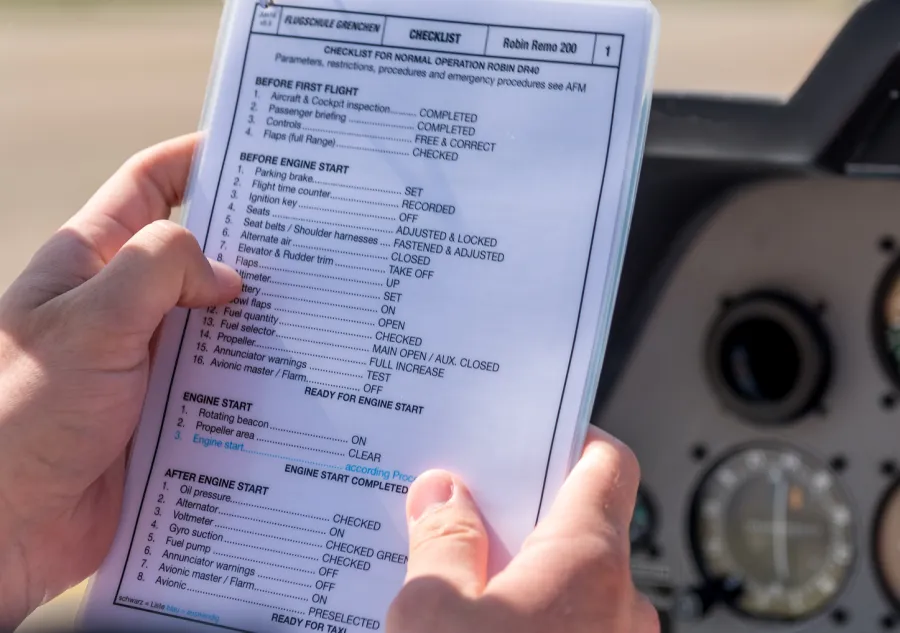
<point>76,332</point>
<point>571,576</point>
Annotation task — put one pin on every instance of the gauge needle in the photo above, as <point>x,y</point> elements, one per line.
<point>780,526</point>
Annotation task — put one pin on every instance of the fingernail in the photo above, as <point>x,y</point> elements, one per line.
<point>431,491</point>
<point>596,438</point>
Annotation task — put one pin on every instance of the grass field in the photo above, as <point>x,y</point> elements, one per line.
<point>85,83</point>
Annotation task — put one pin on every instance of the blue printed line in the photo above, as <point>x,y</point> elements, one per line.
<point>291,459</point>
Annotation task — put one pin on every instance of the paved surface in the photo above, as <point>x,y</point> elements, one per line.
<point>82,89</point>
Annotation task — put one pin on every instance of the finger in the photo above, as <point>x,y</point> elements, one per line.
<point>141,192</point>
<point>447,538</point>
<point>586,529</point>
<point>599,494</point>
<point>577,559</point>
<point>160,268</point>
<point>645,617</point>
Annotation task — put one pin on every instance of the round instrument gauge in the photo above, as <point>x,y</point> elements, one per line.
<point>768,358</point>
<point>886,322</point>
<point>887,544</point>
<point>778,523</point>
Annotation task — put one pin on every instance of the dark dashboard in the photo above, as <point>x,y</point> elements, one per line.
<point>754,361</point>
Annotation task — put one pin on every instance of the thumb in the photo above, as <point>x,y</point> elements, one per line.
<point>447,538</point>
<point>160,268</point>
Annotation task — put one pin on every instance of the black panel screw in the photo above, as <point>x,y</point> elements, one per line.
<point>888,401</point>
<point>888,468</point>
<point>838,463</point>
<point>888,622</point>
<point>699,452</point>
<point>839,616</point>
<point>887,244</point>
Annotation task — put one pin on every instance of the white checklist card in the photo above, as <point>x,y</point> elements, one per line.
<point>428,202</point>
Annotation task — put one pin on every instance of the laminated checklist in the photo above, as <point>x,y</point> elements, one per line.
<point>428,202</point>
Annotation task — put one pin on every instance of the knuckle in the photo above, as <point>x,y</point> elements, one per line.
<point>169,240</point>
<point>143,170</point>
<point>608,560</point>
<point>139,164</point>
<point>438,528</point>
<point>617,564</point>
<point>169,233</point>
<point>599,566</point>
<point>148,172</point>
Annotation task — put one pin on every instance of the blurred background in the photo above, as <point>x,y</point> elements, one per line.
<point>86,83</point>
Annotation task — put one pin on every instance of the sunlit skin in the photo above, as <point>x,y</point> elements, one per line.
<point>77,333</point>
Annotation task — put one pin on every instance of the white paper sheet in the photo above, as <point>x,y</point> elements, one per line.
<point>428,201</point>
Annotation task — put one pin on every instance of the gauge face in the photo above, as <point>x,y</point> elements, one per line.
<point>887,544</point>
<point>887,322</point>
<point>777,522</point>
